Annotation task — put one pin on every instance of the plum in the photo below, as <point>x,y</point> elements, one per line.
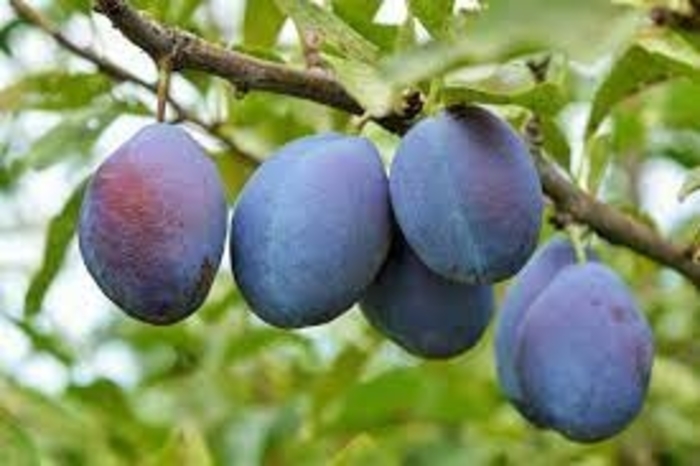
<point>152,225</point>
<point>584,354</point>
<point>311,229</point>
<point>537,274</point>
<point>466,195</point>
<point>423,312</point>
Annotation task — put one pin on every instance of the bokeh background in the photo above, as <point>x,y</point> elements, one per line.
<point>81,384</point>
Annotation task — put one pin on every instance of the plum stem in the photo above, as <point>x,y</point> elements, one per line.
<point>576,236</point>
<point>358,123</point>
<point>165,66</point>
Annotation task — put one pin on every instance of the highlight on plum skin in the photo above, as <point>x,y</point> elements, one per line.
<point>547,262</point>
<point>583,354</point>
<point>152,225</point>
<point>311,229</point>
<point>466,195</point>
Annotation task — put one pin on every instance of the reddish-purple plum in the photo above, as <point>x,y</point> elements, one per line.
<point>467,196</point>
<point>153,225</point>
<point>423,312</point>
<point>311,230</point>
<point>537,274</point>
<point>584,354</point>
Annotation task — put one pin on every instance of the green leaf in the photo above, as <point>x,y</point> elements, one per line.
<point>187,446</point>
<point>58,238</point>
<point>639,68</point>
<point>73,136</point>
<point>16,447</point>
<point>359,15</point>
<point>599,152</point>
<point>425,62</point>
<point>367,85</point>
<point>555,142</point>
<point>507,28</point>
<point>53,90</point>
<point>690,185</point>
<point>330,29</point>
<point>434,15</point>
<point>262,23</point>
<point>6,34</point>
<point>360,451</point>
<point>543,99</point>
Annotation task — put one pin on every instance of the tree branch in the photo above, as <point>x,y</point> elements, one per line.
<point>249,73</point>
<point>117,73</point>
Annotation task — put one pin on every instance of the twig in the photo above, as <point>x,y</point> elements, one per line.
<point>119,74</point>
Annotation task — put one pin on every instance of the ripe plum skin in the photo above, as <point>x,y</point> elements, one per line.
<point>536,276</point>
<point>311,229</point>
<point>152,225</point>
<point>423,312</point>
<point>584,354</point>
<point>466,195</point>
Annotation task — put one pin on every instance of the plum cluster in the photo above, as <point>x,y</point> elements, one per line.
<point>320,227</point>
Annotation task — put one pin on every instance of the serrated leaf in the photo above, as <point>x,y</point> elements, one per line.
<point>690,185</point>
<point>262,23</point>
<point>330,29</point>
<point>639,68</point>
<point>58,238</point>
<point>434,15</point>
<point>53,90</point>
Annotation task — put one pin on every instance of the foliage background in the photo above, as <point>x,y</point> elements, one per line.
<point>82,384</point>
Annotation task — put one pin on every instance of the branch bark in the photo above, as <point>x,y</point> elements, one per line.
<point>249,73</point>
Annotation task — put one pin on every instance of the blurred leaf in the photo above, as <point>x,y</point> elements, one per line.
<point>330,29</point>
<point>187,446</point>
<point>419,394</point>
<point>359,14</point>
<point>367,85</point>
<point>58,238</point>
<point>253,341</point>
<point>507,28</point>
<point>362,451</point>
<point>16,448</point>
<point>262,23</point>
<point>346,369</point>
<point>425,62</point>
<point>599,153</point>
<point>53,90</point>
<point>233,172</point>
<point>6,34</point>
<point>555,142</point>
<point>434,15</point>
<point>682,146</point>
<point>544,99</point>
<point>690,185</point>
<point>72,137</point>
<point>634,72</point>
